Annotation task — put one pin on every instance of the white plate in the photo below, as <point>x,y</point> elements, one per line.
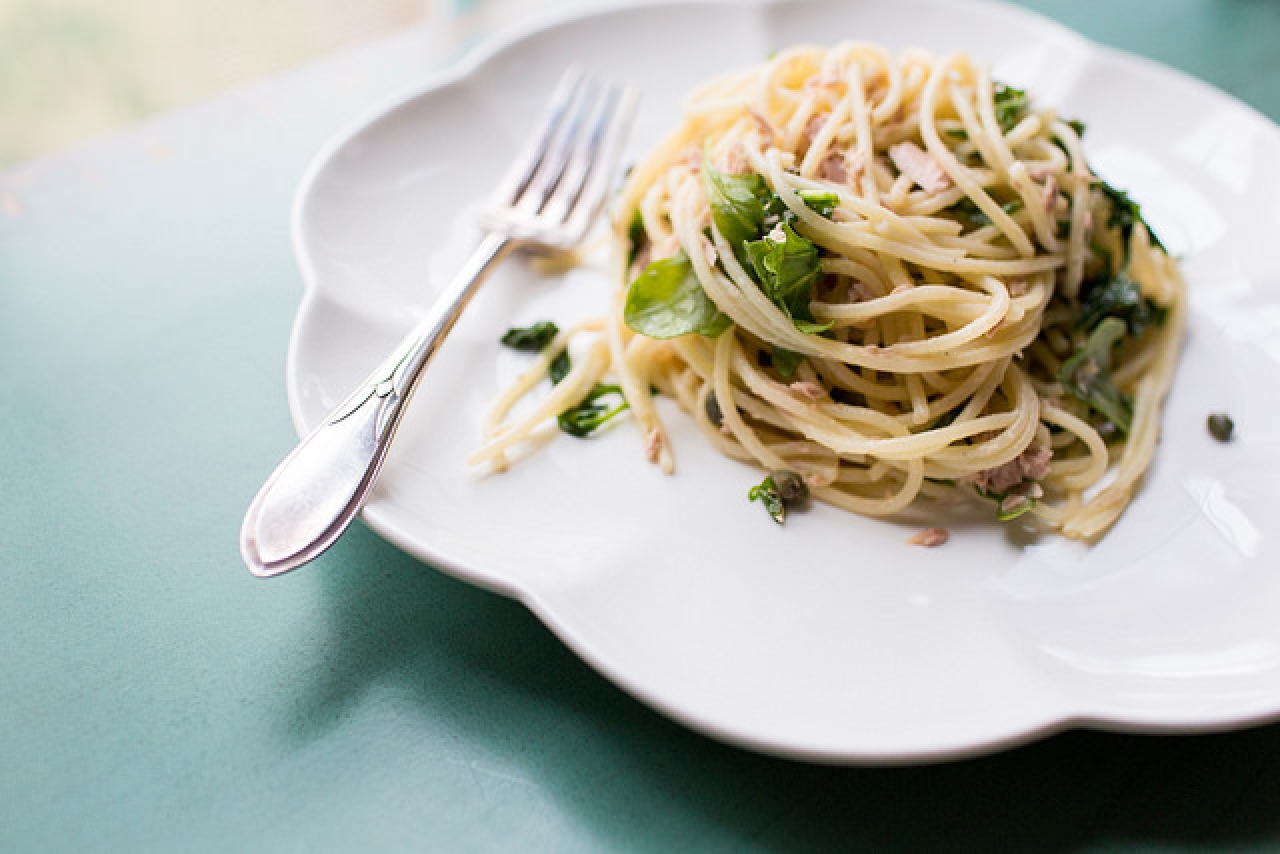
<point>829,638</point>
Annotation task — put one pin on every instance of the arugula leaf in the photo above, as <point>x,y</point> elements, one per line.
<point>667,301</point>
<point>531,339</point>
<point>767,494</point>
<point>823,204</point>
<point>590,415</point>
<point>968,213</point>
<point>636,236</point>
<point>1011,105</point>
<point>787,271</point>
<point>1125,212</point>
<point>737,203</point>
<point>786,361</point>
<point>560,367</point>
<point>1119,296</point>
<point>1087,374</point>
<point>743,207</point>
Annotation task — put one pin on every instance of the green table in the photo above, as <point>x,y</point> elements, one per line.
<point>155,696</point>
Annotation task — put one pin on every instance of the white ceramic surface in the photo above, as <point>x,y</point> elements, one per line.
<point>829,638</point>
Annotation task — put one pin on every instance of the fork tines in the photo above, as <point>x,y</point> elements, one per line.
<point>558,182</point>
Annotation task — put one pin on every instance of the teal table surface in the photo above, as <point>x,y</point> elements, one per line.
<point>155,696</point>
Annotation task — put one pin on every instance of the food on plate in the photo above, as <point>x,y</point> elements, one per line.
<point>1221,427</point>
<point>891,278</point>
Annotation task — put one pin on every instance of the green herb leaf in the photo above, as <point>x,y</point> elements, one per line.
<point>667,301</point>
<point>823,204</point>
<point>742,207</point>
<point>636,237</point>
<point>1011,105</point>
<point>1077,126</point>
<point>560,367</point>
<point>592,414</point>
<point>1087,375</point>
<point>1125,212</point>
<point>737,203</point>
<point>767,494</point>
<point>787,271</point>
<point>785,362</point>
<point>1119,296</point>
<point>973,216</point>
<point>531,339</point>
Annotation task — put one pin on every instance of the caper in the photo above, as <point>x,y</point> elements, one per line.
<point>791,487</point>
<point>714,415</point>
<point>1221,427</point>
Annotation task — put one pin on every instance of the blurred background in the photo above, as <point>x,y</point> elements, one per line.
<point>71,69</point>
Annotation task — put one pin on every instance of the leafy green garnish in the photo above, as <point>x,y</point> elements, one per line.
<point>592,414</point>
<point>766,492</point>
<point>786,271</point>
<point>1125,212</point>
<point>786,361</point>
<point>667,301</point>
<point>560,367</point>
<point>748,214</point>
<point>531,339</point>
<point>1119,296</point>
<point>973,216</point>
<point>636,236</point>
<point>737,204</point>
<point>1087,374</point>
<point>823,204</point>
<point>1011,105</point>
<point>1077,126</point>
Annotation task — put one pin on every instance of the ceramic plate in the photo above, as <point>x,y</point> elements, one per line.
<point>830,638</point>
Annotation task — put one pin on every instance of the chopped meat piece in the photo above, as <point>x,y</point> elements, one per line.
<point>825,79</point>
<point>653,445</point>
<point>820,479</point>
<point>920,166</point>
<point>737,163</point>
<point>1051,194</point>
<point>930,537</point>
<point>814,126</point>
<point>807,390</point>
<point>834,168</point>
<point>1031,464</point>
<point>860,291</point>
<point>765,129</point>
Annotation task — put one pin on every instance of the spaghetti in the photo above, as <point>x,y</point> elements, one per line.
<point>894,277</point>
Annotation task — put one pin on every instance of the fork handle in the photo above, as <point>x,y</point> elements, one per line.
<point>315,493</point>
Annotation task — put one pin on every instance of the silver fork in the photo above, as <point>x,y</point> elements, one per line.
<point>547,200</point>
